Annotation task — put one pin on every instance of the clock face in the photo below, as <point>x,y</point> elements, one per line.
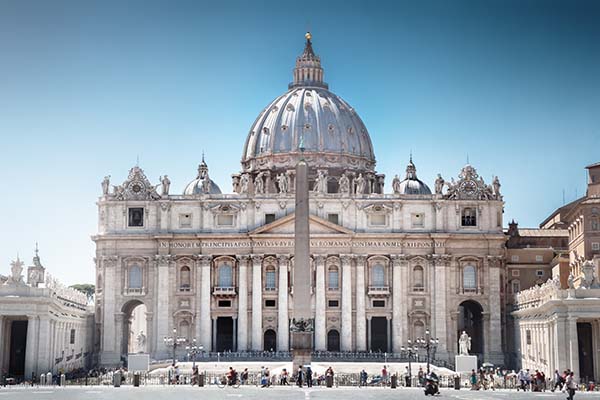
<point>136,187</point>
<point>469,187</point>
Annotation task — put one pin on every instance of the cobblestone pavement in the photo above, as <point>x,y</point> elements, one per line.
<point>287,393</point>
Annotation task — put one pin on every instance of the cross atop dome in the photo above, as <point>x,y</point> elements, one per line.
<point>308,71</point>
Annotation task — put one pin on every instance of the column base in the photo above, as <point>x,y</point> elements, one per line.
<point>110,359</point>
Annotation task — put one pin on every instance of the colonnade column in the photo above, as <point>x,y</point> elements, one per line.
<point>31,347</point>
<point>361,316</point>
<point>320,315</point>
<point>346,340</point>
<point>162,304</point>
<point>560,332</point>
<point>205,303</point>
<point>2,343</point>
<point>573,346</point>
<point>283,326</point>
<point>242,331</point>
<point>43,350</point>
<point>397,304</point>
<point>257,302</point>
<point>109,355</point>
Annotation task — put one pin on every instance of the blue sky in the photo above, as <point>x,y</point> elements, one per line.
<point>86,87</point>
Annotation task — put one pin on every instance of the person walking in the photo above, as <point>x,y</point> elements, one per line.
<point>244,376</point>
<point>472,379</point>
<point>300,377</point>
<point>571,386</point>
<point>363,378</point>
<point>309,376</point>
<point>384,375</point>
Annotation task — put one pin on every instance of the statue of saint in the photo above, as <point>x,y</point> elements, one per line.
<point>496,185</point>
<point>320,183</point>
<point>206,183</point>
<point>284,182</point>
<point>396,185</point>
<point>344,184</point>
<point>244,182</point>
<point>106,185</point>
<point>141,342</point>
<point>166,184</point>
<point>439,184</point>
<point>259,184</point>
<point>464,344</point>
<point>360,184</point>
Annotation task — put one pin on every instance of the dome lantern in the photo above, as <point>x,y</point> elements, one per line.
<point>308,70</point>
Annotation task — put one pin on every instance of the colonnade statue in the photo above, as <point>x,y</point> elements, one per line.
<point>464,344</point>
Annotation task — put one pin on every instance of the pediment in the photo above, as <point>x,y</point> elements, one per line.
<point>286,226</point>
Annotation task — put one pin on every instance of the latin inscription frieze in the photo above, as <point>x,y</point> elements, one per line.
<point>317,243</point>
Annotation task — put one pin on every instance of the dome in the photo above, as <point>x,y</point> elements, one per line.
<point>411,184</point>
<point>202,184</point>
<point>308,115</point>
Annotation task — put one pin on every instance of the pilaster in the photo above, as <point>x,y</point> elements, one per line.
<point>361,319</point>
<point>205,303</point>
<point>320,315</point>
<point>257,330</point>
<point>283,330</point>
<point>398,303</point>
<point>346,339</point>
<point>242,331</point>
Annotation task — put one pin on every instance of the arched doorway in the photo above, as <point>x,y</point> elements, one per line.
<point>333,340</point>
<point>270,340</point>
<point>135,332</point>
<point>470,320</point>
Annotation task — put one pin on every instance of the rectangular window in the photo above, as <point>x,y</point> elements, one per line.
<point>378,303</point>
<point>270,277</point>
<point>185,220</point>
<point>72,341</point>
<point>136,217</point>
<point>417,220</point>
<point>595,246</point>
<point>224,303</point>
<point>539,258</point>
<point>377,219</point>
<point>333,303</point>
<point>528,334</point>
<point>516,287</point>
<point>225,220</point>
<point>514,258</point>
<point>269,218</point>
<point>469,217</point>
<point>539,273</point>
<point>333,218</point>
<point>270,303</point>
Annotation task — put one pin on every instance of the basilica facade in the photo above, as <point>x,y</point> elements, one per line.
<point>387,265</point>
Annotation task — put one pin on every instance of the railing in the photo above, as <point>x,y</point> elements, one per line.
<point>224,291</point>
<point>134,291</point>
<point>379,290</point>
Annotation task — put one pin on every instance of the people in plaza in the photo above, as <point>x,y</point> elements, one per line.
<point>309,376</point>
<point>244,376</point>
<point>473,380</point>
<point>384,374</point>
<point>268,376</point>
<point>558,380</point>
<point>231,376</point>
<point>300,376</point>
<point>283,377</point>
<point>421,376</point>
<point>195,375</point>
<point>571,385</point>
<point>264,382</point>
<point>363,377</point>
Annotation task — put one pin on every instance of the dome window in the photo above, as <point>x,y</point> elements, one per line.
<point>308,94</point>
<point>331,128</point>
<point>284,128</point>
<point>290,108</point>
<point>266,130</point>
<point>307,106</point>
<point>307,126</point>
<point>350,130</point>
<point>274,109</point>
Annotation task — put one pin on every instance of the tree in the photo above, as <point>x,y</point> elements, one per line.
<point>86,288</point>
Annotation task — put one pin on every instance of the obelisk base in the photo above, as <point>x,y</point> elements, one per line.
<point>301,349</point>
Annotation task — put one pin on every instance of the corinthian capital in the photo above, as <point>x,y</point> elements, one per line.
<point>284,259</point>
<point>347,258</point>
<point>257,258</point>
<point>162,259</point>
<point>205,260</point>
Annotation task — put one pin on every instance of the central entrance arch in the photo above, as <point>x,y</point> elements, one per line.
<point>135,332</point>
<point>470,320</point>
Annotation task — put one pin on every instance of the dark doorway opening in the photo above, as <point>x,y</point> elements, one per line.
<point>379,333</point>
<point>270,340</point>
<point>586,351</point>
<point>333,340</point>
<point>18,344</point>
<point>225,334</point>
<point>470,320</point>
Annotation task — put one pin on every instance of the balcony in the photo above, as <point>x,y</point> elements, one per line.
<point>135,291</point>
<point>379,291</point>
<point>224,291</point>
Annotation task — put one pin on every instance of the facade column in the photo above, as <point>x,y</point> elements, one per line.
<point>388,323</point>
<point>110,355</point>
<point>397,304</point>
<point>320,307</point>
<point>495,337</point>
<point>44,349</point>
<point>346,339</point>
<point>31,347</point>
<point>162,305</point>
<point>369,333</point>
<point>283,325</point>
<point>440,313</point>
<point>573,346</point>
<point>3,344</point>
<point>242,340</point>
<point>361,316</point>
<point>257,332</point>
<point>205,304</point>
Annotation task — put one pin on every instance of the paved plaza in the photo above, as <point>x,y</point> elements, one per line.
<point>288,393</point>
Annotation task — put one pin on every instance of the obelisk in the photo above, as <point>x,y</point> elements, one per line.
<point>302,325</point>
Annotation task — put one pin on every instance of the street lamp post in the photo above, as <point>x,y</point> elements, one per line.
<point>192,350</point>
<point>174,341</point>
<point>429,344</point>
<point>411,351</point>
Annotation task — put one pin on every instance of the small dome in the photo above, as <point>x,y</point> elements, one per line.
<point>202,184</point>
<point>411,184</point>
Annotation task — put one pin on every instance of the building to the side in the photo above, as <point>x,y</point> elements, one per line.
<point>557,322</point>
<point>44,326</point>
<point>386,264</point>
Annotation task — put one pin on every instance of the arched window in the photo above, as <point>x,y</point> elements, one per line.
<point>378,276</point>
<point>418,279</point>
<point>135,277</point>
<point>225,275</point>
<point>185,279</point>
<point>270,278</point>
<point>469,217</point>
<point>334,278</point>
<point>469,278</point>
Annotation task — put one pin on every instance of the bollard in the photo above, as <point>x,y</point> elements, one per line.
<point>136,379</point>
<point>394,382</point>
<point>49,379</point>
<point>63,380</point>
<point>457,383</point>
<point>117,379</point>
<point>201,379</point>
<point>42,379</point>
